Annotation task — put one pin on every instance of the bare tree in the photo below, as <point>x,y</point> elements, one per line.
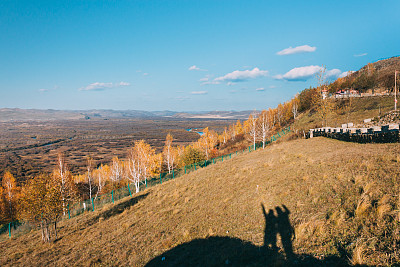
<point>322,103</point>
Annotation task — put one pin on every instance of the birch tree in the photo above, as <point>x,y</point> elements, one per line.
<point>64,182</point>
<point>116,171</point>
<point>251,129</point>
<point>264,125</point>
<point>295,107</point>
<point>279,114</point>
<point>90,179</point>
<point>140,163</point>
<point>100,177</point>
<point>169,153</point>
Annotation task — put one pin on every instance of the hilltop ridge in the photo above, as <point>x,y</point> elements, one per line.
<point>17,114</point>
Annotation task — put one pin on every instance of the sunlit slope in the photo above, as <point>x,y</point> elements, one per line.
<point>343,200</point>
<point>360,109</point>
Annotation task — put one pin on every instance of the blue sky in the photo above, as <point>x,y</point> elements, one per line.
<point>183,55</point>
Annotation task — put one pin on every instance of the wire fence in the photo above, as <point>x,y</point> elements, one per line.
<point>17,228</point>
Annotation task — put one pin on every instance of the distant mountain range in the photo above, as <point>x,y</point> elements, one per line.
<point>16,114</point>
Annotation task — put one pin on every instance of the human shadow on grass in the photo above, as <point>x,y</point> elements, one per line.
<point>229,251</point>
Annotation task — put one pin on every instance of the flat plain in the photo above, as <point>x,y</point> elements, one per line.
<point>30,147</point>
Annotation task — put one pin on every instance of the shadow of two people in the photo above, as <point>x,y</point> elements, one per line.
<point>228,251</point>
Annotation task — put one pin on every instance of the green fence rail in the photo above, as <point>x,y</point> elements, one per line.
<point>19,227</point>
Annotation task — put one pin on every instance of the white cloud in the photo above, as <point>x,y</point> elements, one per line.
<point>272,86</point>
<point>205,79</point>
<point>194,67</point>
<point>42,90</point>
<point>199,92</point>
<point>239,76</point>
<point>97,86</point>
<point>305,73</point>
<point>260,89</point>
<point>210,82</point>
<point>333,73</point>
<point>123,84</point>
<point>361,55</point>
<point>344,74</point>
<point>296,50</point>
<point>145,74</point>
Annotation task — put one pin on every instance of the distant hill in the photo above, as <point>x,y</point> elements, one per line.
<point>373,77</point>
<point>16,114</point>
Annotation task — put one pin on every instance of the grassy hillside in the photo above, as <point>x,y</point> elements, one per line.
<point>343,200</point>
<point>360,109</point>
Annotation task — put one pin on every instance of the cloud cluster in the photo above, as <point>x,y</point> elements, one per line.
<point>296,50</point>
<point>199,92</point>
<point>361,55</point>
<point>307,72</point>
<point>240,76</point>
<point>97,86</point>
<point>194,67</point>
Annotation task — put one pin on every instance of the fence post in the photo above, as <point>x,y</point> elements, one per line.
<point>112,196</point>
<point>92,204</point>
<point>129,190</point>
<point>222,157</point>
<point>185,169</point>
<point>173,174</point>
<point>230,155</point>
<point>160,178</point>
<point>145,181</point>
<point>195,166</point>
<point>213,161</point>
<point>9,230</point>
<point>249,148</point>
<point>69,213</point>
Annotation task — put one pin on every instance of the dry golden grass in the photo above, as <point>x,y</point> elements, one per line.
<point>362,108</point>
<point>343,199</point>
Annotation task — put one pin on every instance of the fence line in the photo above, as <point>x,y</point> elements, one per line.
<point>78,208</point>
<point>378,134</point>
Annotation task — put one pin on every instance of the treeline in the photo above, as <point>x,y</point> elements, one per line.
<point>367,78</point>
<point>44,199</point>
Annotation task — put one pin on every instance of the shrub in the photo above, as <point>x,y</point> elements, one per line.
<point>192,155</point>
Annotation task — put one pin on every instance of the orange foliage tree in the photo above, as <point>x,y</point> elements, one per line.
<point>9,194</point>
<point>42,204</point>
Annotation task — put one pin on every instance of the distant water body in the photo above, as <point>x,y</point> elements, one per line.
<point>194,130</point>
